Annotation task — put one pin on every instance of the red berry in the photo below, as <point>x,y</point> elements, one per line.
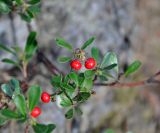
<point>90,63</point>
<point>76,64</point>
<point>45,97</point>
<point>36,112</point>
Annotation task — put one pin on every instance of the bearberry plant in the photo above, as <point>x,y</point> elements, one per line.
<point>70,90</point>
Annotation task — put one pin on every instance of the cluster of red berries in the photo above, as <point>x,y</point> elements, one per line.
<point>45,97</point>
<point>90,63</point>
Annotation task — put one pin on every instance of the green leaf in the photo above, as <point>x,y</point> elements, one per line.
<point>67,88</point>
<point>31,45</point>
<point>82,96</point>
<point>56,80</point>
<point>133,67</point>
<point>4,7</point>
<point>109,131</point>
<point>25,17</point>
<point>9,61</point>
<point>11,88</point>
<point>64,59</point>
<point>87,84</point>
<point>109,67</point>
<point>41,128</point>
<point>87,43</point>
<point>95,53</point>
<point>7,90</point>
<point>34,9</point>
<point>89,73</point>
<point>14,85</point>
<point>65,101</point>
<point>69,114</point>
<point>3,119</point>
<point>109,59</point>
<point>34,94</point>
<point>19,2</point>
<point>20,103</point>
<point>32,2</point>
<point>74,77</point>
<point>103,77</point>
<point>9,114</point>
<point>62,43</point>
<point>4,48</point>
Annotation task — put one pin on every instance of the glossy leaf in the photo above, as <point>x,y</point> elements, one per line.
<point>4,7</point>
<point>133,67</point>
<point>67,88</point>
<point>65,101</point>
<point>74,77</point>
<point>109,67</point>
<point>56,80</point>
<point>87,43</point>
<point>31,45</point>
<point>7,90</point>
<point>89,73</point>
<point>95,53</point>
<point>15,85</point>
<point>109,59</point>
<point>34,94</point>
<point>64,59</point>
<point>41,128</point>
<point>87,83</point>
<point>82,96</point>
<point>9,114</point>
<point>62,43</point>
<point>20,103</point>
<point>69,114</point>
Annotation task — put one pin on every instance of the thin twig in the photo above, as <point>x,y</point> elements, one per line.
<point>150,80</point>
<point>26,129</point>
<point>51,67</point>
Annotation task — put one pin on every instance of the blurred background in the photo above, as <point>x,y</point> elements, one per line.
<point>131,28</point>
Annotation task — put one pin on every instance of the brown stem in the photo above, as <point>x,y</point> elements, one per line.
<point>26,129</point>
<point>155,79</point>
<point>51,67</point>
<point>118,84</point>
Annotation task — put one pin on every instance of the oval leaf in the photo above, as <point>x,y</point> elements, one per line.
<point>41,128</point>
<point>69,114</point>
<point>7,90</point>
<point>20,103</point>
<point>64,59</point>
<point>95,53</point>
<point>74,77</point>
<point>62,43</point>
<point>31,45</point>
<point>87,43</point>
<point>109,59</point>
<point>9,113</point>
<point>133,67</point>
<point>34,94</point>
